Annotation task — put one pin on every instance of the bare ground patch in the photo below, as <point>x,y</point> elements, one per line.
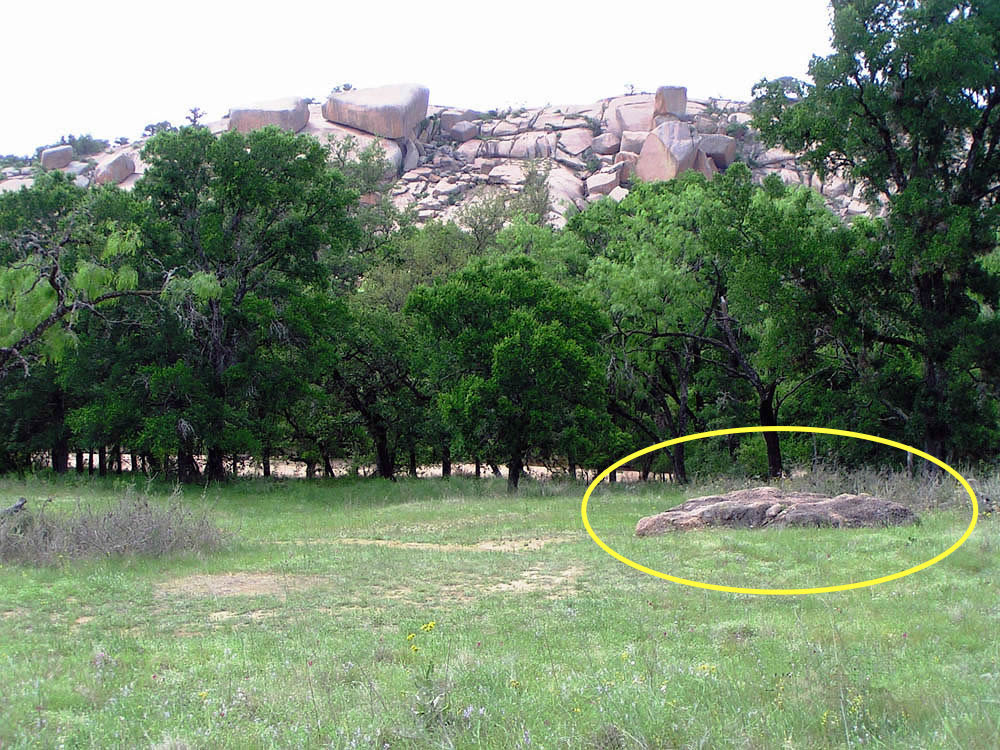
<point>254,614</point>
<point>531,580</point>
<point>487,545</point>
<point>238,584</point>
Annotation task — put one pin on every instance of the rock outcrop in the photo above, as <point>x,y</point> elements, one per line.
<point>56,157</point>
<point>441,154</point>
<point>769,506</point>
<point>115,170</point>
<point>290,113</point>
<point>389,111</point>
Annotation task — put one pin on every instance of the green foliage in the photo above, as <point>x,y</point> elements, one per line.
<point>522,360</point>
<point>906,106</point>
<point>534,200</point>
<point>485,214</point>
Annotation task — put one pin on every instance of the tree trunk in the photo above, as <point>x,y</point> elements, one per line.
<point>102,461</point>
<point>572,469</point>
<point>90,462</point>
<point>310,469</point>
<point>134,462</point>
<point>495,469</point>
<point>215,466</point>
<point>79,462</point>
<point>680,472</point>
<point>445,460</point>
<point>937,431</point>
<point>514,467</point>
<point>383,456</point>
<point>769,419</point>
<point>613,476</point>
<point>412,461</point>
<point>328,466</point>
<point>645,466</point>
<point>266,461</point>
<point>187,469</point>
<point>60,456</point>
<point>479,468</point>
<point>116,452</point>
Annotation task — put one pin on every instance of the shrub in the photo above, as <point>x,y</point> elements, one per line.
<point>132,526</point>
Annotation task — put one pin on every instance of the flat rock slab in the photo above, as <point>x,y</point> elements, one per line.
<point>769,506</point>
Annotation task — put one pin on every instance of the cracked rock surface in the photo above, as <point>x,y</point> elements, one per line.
<point>770,506</point>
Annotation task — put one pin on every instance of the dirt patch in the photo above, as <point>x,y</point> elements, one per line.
<point>488,545</point>
<point>238,584</point>
<point>533,580</point>
<point>9,614</point>
<point>254,614</point>
<point>83,620</point>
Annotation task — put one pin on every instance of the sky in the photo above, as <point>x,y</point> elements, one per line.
<point>108,68</point>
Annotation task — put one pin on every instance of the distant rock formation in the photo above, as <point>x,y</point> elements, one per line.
<point>769,506</point>
<point>290,113</point>
<point>441,155</point>
<point>56,157</point>
<point>115,170</point>
<point>389,111</point>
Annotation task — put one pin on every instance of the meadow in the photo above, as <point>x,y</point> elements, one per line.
<point>432,613</point>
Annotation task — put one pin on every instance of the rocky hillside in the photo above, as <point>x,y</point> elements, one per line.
<point>442,155</point>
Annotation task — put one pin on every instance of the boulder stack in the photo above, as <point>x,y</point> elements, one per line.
<point>290,113</point>
<point>389,111</point>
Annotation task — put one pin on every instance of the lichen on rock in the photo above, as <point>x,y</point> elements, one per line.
<point>770,506</point>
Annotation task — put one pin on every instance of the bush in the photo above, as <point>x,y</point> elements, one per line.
<point>132,526</point>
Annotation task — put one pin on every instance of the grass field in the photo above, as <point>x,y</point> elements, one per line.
<point>440,614</point>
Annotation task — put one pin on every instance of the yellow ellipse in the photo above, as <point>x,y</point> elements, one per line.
<point>780,592</point>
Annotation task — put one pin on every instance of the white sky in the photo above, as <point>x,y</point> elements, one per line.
<point>109,67</point>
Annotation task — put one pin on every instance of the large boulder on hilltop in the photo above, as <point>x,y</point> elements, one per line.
<point>722,149</point>
<point>565,189</point>
<point>290,113</point>
<point>632,140</point>
<point>606,143</point>
<point>602,183</point>
<point>325,131</point>
<point>390,111</point>
<point>463,130</point>
<point>115,170</point>
<point>636,113</point>
<point>451,117</point>
<point>770,506</point>
<point>629,159</point>
<point>57,157</point>
<point>632,117</point>
<point>576,141</point>
<point>665,154</point>
<point>670,100</point>
<point>533,145</point>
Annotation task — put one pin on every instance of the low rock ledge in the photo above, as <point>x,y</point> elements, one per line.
<point>770,506</point>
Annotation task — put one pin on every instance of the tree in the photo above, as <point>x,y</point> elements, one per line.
<point>908,105</point>
<point>254,221</point>
<point>521,366</point>
<point>712,288</point>
<point>64,252</point>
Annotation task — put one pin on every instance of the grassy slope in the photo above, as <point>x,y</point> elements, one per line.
<point>559,645</point>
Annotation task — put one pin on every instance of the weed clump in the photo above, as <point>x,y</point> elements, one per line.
<point>131,526</point>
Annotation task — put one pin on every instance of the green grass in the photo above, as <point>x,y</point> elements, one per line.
<point>293,638</point>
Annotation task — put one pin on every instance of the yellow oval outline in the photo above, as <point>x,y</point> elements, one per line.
<point>780,592</point>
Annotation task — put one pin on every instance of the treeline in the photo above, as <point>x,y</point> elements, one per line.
<point>251,300</point>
